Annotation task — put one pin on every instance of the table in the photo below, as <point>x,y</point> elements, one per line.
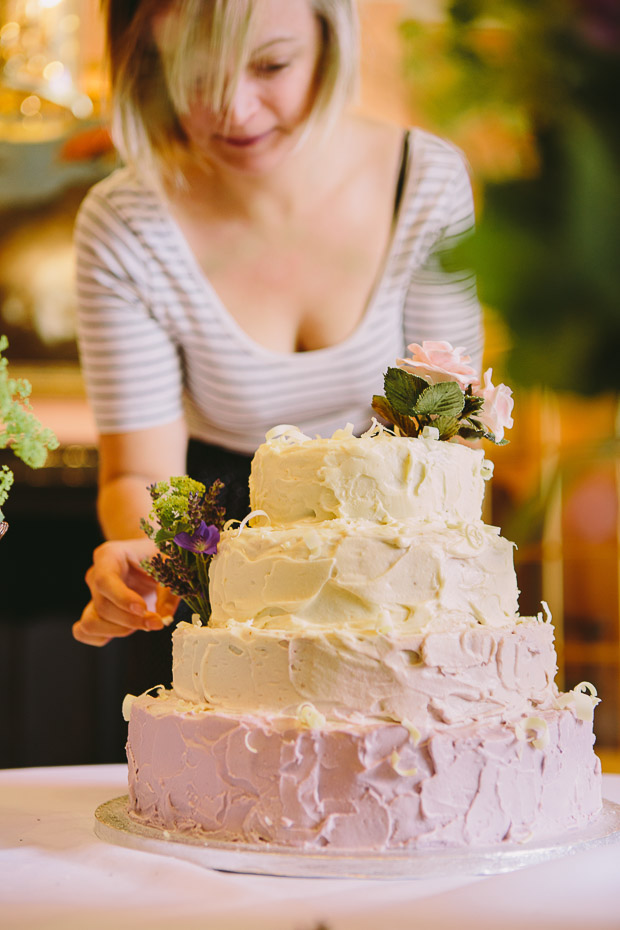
<point>56,875</point>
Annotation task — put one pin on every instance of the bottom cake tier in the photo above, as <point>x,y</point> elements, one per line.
<point>371,785</point>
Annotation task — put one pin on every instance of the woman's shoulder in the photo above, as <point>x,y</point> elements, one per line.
<point>428,143</point>
<point>123,190</point>
<point>123,198</point>
<point>426,149</point>
<point>433,149</point>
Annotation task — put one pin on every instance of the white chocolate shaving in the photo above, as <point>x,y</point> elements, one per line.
<point>486,469</point>
<point>544,616</point>
<point>346,433</point>
<point>582,700</point>
<point>247,745</point>
<point>128,702</point>
<point>413,731</point>
<point>196,620</point>
<point>250,516</point>
<point>395,763</point>
<point>130,699</point>
<point>286,433</point>
<point>229,525</point>
<point>430,432</point>
<point>375,429</point>
<point>310,717</point>
<point>534,730</point>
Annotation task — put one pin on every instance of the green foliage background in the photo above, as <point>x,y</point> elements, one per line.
<point>547,249</point>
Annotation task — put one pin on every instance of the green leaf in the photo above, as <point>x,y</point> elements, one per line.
<point>447,426</point>
<point>469,432</point>
<point>445,399</point>
<point>472,405</point>
<point>408,426</point>
<point>498,442</point>
<point>163,536</point>
<point>403,389</point>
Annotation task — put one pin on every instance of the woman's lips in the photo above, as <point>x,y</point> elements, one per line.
<point>242,142</point>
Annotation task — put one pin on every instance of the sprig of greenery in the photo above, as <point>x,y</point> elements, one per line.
<point>20,430</point>
<point>411,403</point>
<point>181,507</point>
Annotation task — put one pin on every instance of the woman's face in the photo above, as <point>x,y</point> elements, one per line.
<point>273,96</point>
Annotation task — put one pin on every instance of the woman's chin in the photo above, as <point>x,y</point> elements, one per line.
<point>253,155</point>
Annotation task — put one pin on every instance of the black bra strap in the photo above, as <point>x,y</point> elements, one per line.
<point>402,174</point>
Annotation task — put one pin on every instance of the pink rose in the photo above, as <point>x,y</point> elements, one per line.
<point>496,414</point>
<point>438,361</point>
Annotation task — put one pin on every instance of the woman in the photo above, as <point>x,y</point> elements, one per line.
<point>262,258</point>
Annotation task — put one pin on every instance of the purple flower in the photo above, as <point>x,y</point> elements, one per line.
<point>204,541</point>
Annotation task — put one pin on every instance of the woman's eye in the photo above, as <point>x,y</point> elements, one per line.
<point>270,67</point>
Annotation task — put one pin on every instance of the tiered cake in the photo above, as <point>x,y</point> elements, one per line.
<point>364,681</point>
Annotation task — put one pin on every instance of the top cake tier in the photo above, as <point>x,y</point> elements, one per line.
<point>375,477</point>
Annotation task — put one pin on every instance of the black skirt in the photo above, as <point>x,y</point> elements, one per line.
<point>207,463</point>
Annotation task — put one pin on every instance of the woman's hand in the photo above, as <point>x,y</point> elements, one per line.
<point>124,597</point>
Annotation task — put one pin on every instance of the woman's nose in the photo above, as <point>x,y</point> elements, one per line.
<point>244,102</point>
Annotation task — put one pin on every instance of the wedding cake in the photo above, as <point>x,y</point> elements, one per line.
<point>364,680</point>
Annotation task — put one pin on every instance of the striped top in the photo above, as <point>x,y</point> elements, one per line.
<point>156,341</point>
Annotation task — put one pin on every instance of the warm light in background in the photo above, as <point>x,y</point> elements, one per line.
<point>40,59</point>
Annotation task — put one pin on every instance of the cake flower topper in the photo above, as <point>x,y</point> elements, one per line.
<point>189,521</point>
<point>438,388</point>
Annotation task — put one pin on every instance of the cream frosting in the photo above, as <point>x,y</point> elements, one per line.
<point>364,576</point>
<point>380,478</point>
<point>428,680</point>
<point>263,778</point>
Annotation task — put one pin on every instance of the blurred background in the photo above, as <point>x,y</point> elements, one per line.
<point>529,91</point>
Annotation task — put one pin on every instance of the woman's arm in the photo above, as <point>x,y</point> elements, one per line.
<point>128,464</point>
<point>124,597</point>
<point>133,371</point>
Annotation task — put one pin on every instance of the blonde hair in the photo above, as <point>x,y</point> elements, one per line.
<point>150,89</point>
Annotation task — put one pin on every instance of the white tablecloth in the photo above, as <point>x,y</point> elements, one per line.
<point>56,875</point>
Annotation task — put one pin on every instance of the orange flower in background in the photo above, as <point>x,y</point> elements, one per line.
<point>88,144</point>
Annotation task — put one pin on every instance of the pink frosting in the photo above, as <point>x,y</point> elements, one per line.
<point>250,778</point>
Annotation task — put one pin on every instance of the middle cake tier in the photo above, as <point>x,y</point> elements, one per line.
<point>429,680</point>
<point>364,576</point>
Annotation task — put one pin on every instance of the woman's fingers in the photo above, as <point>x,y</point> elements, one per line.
<point>97,629</point>
<point>136,618</point>
<point>114,603</point>
<point>124,597</point>
<point>116,576</point>
<point>110,592</point>
<point>94,631</point>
